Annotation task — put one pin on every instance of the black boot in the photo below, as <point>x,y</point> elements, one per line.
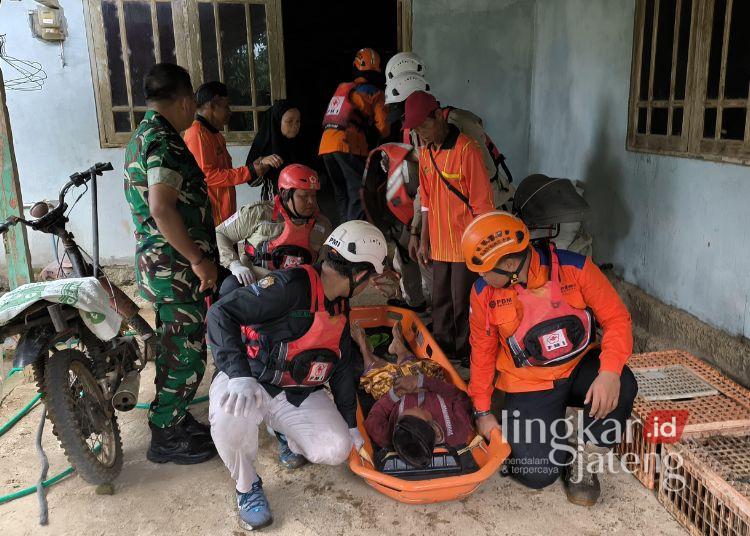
<point>175,445</point>
<point>194,427</point>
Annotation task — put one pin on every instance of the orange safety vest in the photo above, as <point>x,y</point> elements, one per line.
<point>291,248</point>
<point>308,361</point>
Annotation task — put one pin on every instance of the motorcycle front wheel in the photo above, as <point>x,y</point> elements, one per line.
<point>87,430</point>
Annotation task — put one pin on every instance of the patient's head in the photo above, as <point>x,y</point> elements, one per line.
<point>415,436</point>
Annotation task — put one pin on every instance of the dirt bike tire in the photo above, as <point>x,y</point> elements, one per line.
<point>61,409</point>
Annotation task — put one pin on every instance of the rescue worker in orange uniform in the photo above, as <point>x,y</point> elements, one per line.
<point>453,188</point>
<point>207,143</point>
<point>355,117</point>
<point>534,314</point>
<point>282,233</point>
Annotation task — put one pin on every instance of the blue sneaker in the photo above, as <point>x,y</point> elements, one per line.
<point>255,513</point>
<point>288,459</point>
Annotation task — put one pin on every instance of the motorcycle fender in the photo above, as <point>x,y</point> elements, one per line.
<point>119,301</point>
<point>33,345</point>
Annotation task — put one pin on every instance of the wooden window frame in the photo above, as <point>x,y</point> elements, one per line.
<point>690,143</point>
<point>188,54</point>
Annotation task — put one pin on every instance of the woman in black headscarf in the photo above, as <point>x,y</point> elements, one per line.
<point>276,144</point>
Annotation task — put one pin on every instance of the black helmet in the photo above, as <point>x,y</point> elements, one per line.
<point>542,201</point>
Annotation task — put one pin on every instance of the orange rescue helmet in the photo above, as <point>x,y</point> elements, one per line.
<point>492,236</point>
<point>367,60</point>
<point>298,177</point>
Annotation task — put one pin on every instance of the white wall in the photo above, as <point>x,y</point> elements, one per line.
<point>478,55</point>
<point>676,227</point>
<point>551,79</point>
<point>55,133</point>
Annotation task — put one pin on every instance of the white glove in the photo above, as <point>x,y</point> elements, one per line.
<point>243,274</point>
<point>356,437</point>
<point>240,395</point>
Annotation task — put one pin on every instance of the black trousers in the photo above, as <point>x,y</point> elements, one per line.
<point>346,171</point>
<point>229,284</point>
<point>533,423</point>
<point>451,287</point>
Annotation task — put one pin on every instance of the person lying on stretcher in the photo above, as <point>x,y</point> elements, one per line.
<point>420,410</point>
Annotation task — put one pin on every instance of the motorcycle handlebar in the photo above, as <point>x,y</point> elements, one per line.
<point>82,177</point>
<point>7,224</point>
<point>76,179</point>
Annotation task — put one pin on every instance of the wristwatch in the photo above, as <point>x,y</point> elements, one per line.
<point>476,414</point>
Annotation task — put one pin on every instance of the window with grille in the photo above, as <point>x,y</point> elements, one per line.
<point>237,42</point>
<point>690,79</point>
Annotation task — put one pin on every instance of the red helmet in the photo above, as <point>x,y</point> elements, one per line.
<point>298,177</point>
<point>367,60</point>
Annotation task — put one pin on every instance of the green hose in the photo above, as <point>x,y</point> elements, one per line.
<point>53,480</point>
<point>20,415</point>
<point>195,401</point>
<point>32,489</point>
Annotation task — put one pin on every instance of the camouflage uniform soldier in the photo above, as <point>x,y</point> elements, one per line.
<point>175,249</point>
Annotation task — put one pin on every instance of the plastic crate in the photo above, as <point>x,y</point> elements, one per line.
<point>728,410</point>
<point>707,488</point>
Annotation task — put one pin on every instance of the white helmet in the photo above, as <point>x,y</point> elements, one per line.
<point>406,83</point>
<point>360,241</point>
<point>402,62</point>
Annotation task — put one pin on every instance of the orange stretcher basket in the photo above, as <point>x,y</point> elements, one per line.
<point>489,457</point>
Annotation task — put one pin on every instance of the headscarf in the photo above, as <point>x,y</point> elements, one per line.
<point>269,140</point>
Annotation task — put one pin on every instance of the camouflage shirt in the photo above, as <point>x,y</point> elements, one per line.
<point>157,154</point>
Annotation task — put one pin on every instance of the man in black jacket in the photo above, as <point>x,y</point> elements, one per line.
<point>275,344</point>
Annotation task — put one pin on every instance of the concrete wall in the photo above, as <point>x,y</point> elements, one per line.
<point>675,227</point>
<point>55,133</point>
<point>479,56</point>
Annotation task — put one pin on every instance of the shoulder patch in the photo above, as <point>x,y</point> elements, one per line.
<point>266,281</point>
<point>367,89</point>
<point>543,255</point>
<point>479,285</point>
<point>569,258</point>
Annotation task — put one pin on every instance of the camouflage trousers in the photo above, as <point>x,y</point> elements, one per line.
<point>180,360</point>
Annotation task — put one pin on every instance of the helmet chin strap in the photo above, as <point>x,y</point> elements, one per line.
<point>514,275</point>
<point>288,199</point>
<point>353,285</point>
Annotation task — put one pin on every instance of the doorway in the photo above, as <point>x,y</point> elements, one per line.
<point>321,38</point>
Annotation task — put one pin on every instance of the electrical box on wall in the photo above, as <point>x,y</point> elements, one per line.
<point>48,23</point>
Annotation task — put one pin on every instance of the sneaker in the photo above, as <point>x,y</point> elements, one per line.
<point>581,484</point>
<point>288,459</point>
<point>254,511</point>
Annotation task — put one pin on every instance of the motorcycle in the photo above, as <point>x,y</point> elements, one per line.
<point>82,378</point>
